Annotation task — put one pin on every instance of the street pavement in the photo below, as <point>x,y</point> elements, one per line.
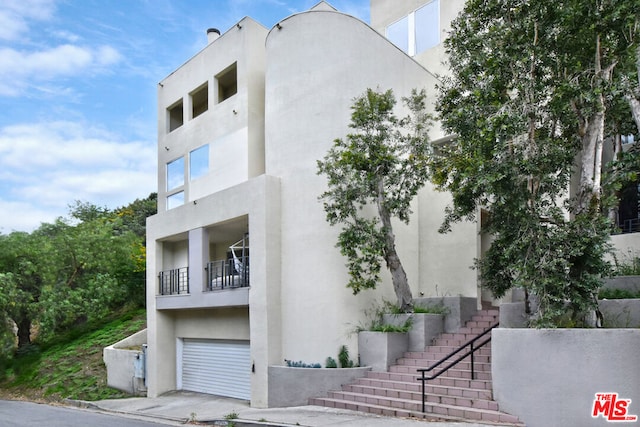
<point>180,407</point>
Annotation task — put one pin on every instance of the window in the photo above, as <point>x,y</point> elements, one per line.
<point>175,115</point>
<point>398,34</point>
<point>199,162</point>
<point>199,100</point>
<point>175,174</point>
<point>175,200</point>
<point>227,82</point>
<point>418,31</point>
<point>427,24</point>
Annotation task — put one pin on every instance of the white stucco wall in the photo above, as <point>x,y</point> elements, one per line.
<point>233,128</point>
<point>316,64</point>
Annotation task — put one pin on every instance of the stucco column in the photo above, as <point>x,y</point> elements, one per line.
<point>198,258</point>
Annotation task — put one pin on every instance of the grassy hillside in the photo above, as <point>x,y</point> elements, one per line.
<point>72,367</point>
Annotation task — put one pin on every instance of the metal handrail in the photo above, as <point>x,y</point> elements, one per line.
<point>470,343</point>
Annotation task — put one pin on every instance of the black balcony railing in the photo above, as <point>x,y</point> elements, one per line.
<point>630,225</point>
<point>174,282</point>
<point>229,273</point>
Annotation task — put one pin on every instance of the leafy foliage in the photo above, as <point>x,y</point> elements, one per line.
<point>373,175</point>
<point>75,270</point>
<point>530,87</point>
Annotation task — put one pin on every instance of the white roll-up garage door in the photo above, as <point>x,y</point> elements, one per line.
<point>216,367</point>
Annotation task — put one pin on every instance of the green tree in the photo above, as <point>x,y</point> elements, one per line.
<point>528,94</point>
<point>73,270</point>
<point>373,175</point>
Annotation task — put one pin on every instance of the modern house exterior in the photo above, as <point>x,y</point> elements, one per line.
<point>242,268</point>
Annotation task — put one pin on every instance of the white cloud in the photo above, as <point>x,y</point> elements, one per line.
<point>17,68</point>
<point>14,15</point>
<point>49,165</point>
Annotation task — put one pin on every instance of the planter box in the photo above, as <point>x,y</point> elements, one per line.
<point>460,309</point>
<point>295,386</point>
<point>424,327</point>
<point>379,350</point>
<point>620,313</point>
<point>628,283</point>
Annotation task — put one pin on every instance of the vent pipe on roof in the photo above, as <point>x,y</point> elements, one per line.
<point>212,34</point>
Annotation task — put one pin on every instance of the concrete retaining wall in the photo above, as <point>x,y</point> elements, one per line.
<point>120,359</point>
<point>295,386</point>
<point>549,377</point>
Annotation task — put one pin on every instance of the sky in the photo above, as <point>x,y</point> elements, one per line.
<point>78,85</point>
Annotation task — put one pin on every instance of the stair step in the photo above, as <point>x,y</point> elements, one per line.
<point>429,388</point>
<point>452,373</point>
<point>479,366</point>
<point>442,380</point>
<point>452,396</point>
<point>439,411</point>
<point>350,392</point>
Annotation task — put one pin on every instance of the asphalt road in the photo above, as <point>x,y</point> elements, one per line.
<point>28,414</point>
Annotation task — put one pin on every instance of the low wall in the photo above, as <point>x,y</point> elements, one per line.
<point>295,386</point>
<point>460,309</point>
<point>121,359</point>
<point>620,313</point>
<point>628,283</point>
<point>379,350</point>
<point>549,377</point>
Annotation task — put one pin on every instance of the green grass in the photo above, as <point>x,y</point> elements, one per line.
<point>72,366</point>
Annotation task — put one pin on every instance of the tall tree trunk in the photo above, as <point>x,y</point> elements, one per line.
<point>617,152</point>
<point>590,171</point>
<point>24,331</point>
<point>398,275</point>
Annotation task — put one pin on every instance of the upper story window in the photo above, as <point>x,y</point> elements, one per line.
<point>175,114</point>
<point>418,31</point>
<point>227,81</point>
<point>175,174</point>
<point>199,162</point>
<point>175,200</point>
<point>199,100</point>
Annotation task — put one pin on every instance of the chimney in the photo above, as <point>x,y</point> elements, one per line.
<point>212,34</point>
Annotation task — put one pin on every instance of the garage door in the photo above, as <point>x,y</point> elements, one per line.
<point>217,367</point>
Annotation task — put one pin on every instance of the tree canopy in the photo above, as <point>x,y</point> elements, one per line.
<point>73,270</point>
<point>373,176</point>
<point>534,89</point>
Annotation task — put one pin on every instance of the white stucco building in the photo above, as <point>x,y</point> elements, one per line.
<point>242,268</point>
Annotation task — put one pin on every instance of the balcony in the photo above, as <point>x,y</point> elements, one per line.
<point>174,281</point>
<point>227,274</point>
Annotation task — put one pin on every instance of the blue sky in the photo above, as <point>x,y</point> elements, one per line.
<point>78,93</point>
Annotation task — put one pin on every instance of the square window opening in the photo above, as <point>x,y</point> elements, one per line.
<point>199,100</point>
<point>227,82</point>
<point>176,116</point>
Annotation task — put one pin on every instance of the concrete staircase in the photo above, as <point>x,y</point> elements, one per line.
<point>452,396</point>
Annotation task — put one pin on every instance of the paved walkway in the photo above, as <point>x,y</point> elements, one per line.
<point>178,407</point>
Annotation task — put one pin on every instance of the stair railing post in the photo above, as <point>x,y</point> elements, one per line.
<point>423,379</point>
<point>473,374</point>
